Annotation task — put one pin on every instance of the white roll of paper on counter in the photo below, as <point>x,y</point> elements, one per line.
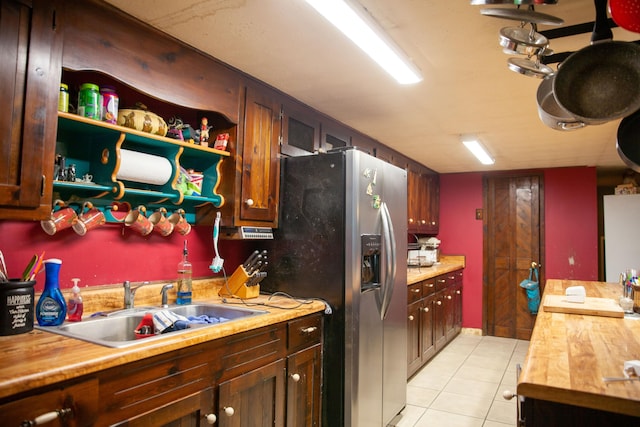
<point>145,168</point>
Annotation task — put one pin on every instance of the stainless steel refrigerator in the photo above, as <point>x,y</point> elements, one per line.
<point>342,237</point>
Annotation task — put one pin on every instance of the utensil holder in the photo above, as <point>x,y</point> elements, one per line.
<point>16,307</point>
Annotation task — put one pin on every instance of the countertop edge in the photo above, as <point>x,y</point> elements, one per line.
<point>447,264</point>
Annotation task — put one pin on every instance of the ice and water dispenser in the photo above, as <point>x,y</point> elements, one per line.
<point>371,246</point>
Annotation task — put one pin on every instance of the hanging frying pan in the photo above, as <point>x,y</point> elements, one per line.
<point>600,82</point>
<point>628,143</point>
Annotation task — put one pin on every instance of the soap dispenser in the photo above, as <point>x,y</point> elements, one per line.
<point>75,306</point>
<point>51,308</point>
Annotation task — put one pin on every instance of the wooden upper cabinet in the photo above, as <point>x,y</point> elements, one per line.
<point>423,200</point>
<point>300,129</point>
<point>334,135</point>
<point>31,44</point>
<point>260,182</point>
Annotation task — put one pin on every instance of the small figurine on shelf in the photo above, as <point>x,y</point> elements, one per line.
<point>204,132</point>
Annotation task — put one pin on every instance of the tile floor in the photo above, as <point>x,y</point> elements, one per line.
<point>462,385</point>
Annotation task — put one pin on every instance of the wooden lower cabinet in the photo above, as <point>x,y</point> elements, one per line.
<point>191,411</point>
<point>434,317</point>
<point>70,404</point>
<point>258,395</point>
<point>543,413</point>
<point>269,376</point>
<point>304,387</point>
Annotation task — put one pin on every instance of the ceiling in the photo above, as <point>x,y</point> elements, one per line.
<point>467,87</point>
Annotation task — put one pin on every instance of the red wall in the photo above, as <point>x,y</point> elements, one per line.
<point>461,234</point>
<point>571,223</point>
<point>571,229</point>
<point>112,254</point>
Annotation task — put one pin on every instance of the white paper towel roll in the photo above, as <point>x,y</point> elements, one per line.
<point>146,168</point>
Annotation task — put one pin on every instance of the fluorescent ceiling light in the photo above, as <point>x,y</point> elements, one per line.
<point>364,32</point>
<point>478,150</point>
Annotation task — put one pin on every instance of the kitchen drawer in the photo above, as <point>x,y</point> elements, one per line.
<point>428,287</point>
<point>304,332</point>
<point>442,282</point>
<point>77,404</point>
<point>414,293</point>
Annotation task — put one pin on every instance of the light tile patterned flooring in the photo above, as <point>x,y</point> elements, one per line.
<point>462,385</point>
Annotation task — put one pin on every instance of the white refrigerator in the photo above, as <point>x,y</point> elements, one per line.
<point>621,235</point>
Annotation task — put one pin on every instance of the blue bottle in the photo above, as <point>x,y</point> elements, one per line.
<point>51,308</point>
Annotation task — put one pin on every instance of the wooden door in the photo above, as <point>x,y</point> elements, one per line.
<point>303,387</point>
<point>31,43</point>
<point>255,399</point>
<point>513,239</point>
<point>260,165</point>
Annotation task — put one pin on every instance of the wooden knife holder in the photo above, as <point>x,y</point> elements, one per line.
<point>237,286</point>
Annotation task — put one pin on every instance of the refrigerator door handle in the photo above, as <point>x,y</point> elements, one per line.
<point>390,259</point>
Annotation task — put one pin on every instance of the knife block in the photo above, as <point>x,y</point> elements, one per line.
<point>237,286</point>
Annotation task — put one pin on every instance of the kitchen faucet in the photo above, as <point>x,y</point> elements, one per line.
<point>130,293</point>
<point>163,292</point>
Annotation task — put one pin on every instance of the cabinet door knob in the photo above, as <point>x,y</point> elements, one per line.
<point>426,309</point>
<point>439,302</point>
<point>210,418</point>
<point>508,395</point>
<point>449,296</point>
<point>249,202</point>
<point>229,411</point>
<point>458,292</point>
<point>309,330</point>
<point>410,220</point>
<point>411,317</point>
<point>295,377</point>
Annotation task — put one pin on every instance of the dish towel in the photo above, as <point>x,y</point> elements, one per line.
<point>167,321</point>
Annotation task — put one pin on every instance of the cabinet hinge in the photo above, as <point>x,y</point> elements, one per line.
<point>42,186</point>
<point>280,141</point>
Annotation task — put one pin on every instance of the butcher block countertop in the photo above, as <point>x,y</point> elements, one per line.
<point>447,264</point>
<point>39,358</point>
<point>569,354</point>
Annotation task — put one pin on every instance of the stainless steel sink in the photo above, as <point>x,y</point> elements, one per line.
<point>117,329</point>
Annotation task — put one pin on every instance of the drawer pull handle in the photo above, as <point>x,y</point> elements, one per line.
<point>229,411</point>
<point>411,317</point>
<point>430,285</point>
<point>309,330</point>
<point>417,291</point>
<point>210,418</point>
<point>441,281</point>
<point>45,418</point>
<point>295,377</point>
